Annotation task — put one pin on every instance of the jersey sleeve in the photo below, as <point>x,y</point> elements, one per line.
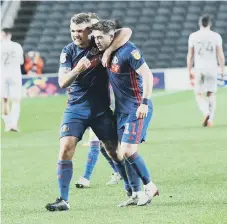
<point>21,54</point>
<point>65,58</point>
<point>219,40</point>
<point>135,58</point>
<point>190,41</point>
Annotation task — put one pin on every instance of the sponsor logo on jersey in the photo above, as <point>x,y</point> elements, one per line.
<point>115,60</point>
<point>136,54</point>
<point>63,58</point>
<point>115,68</point>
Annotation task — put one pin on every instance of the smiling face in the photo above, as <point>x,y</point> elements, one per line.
<point>79,33</point>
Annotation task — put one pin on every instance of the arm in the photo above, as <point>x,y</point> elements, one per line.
<point>66,76</point>
<point>190,58</point>
<point>221,59</point>
<point>138,64</point>
<point>147,75</point>
<point>121,36</point>
<point>22,55</point>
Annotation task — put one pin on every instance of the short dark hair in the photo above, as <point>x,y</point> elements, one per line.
<point>7,30</point>
<point>81,18</point>
<point>104,25</point>
<point>205,20</point>
<point>93,15</point>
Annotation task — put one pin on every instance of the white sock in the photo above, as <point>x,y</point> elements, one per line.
<point>203,104</point>
<point>15,113</point>
<point>6,119</point>
<point>212,106</point>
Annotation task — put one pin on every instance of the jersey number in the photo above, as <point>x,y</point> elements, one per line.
<point>7,57</point>
<point>133,130</point>
<point>205,47</point>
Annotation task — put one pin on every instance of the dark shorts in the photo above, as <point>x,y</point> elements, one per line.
<point>131,129</point>
<point>104,126</point>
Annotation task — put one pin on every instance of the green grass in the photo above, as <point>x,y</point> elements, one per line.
<point>188,163</point>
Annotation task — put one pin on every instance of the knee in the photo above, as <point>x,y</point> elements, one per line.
<point>5,100</point>
<point>67,147</point>
<point>209,94</point>
<point>128,150</point>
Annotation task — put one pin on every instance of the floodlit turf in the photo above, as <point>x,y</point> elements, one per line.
<point>188,163</point>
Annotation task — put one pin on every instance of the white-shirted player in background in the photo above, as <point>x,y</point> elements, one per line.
<point>205,49</point>
<point>11,79</point>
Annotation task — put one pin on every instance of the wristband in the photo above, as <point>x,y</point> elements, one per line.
<point>145,101</point>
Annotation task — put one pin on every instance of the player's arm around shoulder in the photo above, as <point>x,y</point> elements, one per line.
<point>121,37</point>
<point>66,74</point>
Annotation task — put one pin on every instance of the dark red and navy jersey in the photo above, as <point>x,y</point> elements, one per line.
<point>88,94</point>
<point>126,83</point>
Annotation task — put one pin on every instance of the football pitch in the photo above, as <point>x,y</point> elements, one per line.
<point>188,164</point>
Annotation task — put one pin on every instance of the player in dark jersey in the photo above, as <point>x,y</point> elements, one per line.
<point>132,83</point>
<point>88,103</point>
<point>95,146</point>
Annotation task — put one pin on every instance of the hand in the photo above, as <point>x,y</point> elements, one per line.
<point>106,58</point>
<point>82,65</point>
<point>191,75</point>
<point>142,111</point>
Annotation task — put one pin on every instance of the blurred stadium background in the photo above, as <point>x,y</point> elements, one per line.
<point>160,28</point>
<point>187,162</point>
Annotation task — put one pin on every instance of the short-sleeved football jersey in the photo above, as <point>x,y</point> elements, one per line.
<point>11,59</point>
<point>88,94</point>
<point>205,43</point>
<point>126,83</point>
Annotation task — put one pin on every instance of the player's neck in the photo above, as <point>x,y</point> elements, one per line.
<point>84,45</point>
<point>6,40</point>
<point>204,28</point>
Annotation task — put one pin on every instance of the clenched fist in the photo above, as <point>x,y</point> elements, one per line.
<point>82,65</point>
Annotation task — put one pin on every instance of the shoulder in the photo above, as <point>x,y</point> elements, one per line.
<point>127,49</point>
<point>16,44</point>
<point>216,35</point>
<point>68,48</point>
<point>193,35</point>
<point>17,47</point>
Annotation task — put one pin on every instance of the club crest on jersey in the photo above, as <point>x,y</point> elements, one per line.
<point>94,51</point>
<point>115,60</point>
<point>64,128</point>
<point>115,68</point>
<point>63,58</point>
<point>136,54</point>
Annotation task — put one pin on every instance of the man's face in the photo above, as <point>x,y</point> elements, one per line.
<point>79,33</point>
<point>102,40</point>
